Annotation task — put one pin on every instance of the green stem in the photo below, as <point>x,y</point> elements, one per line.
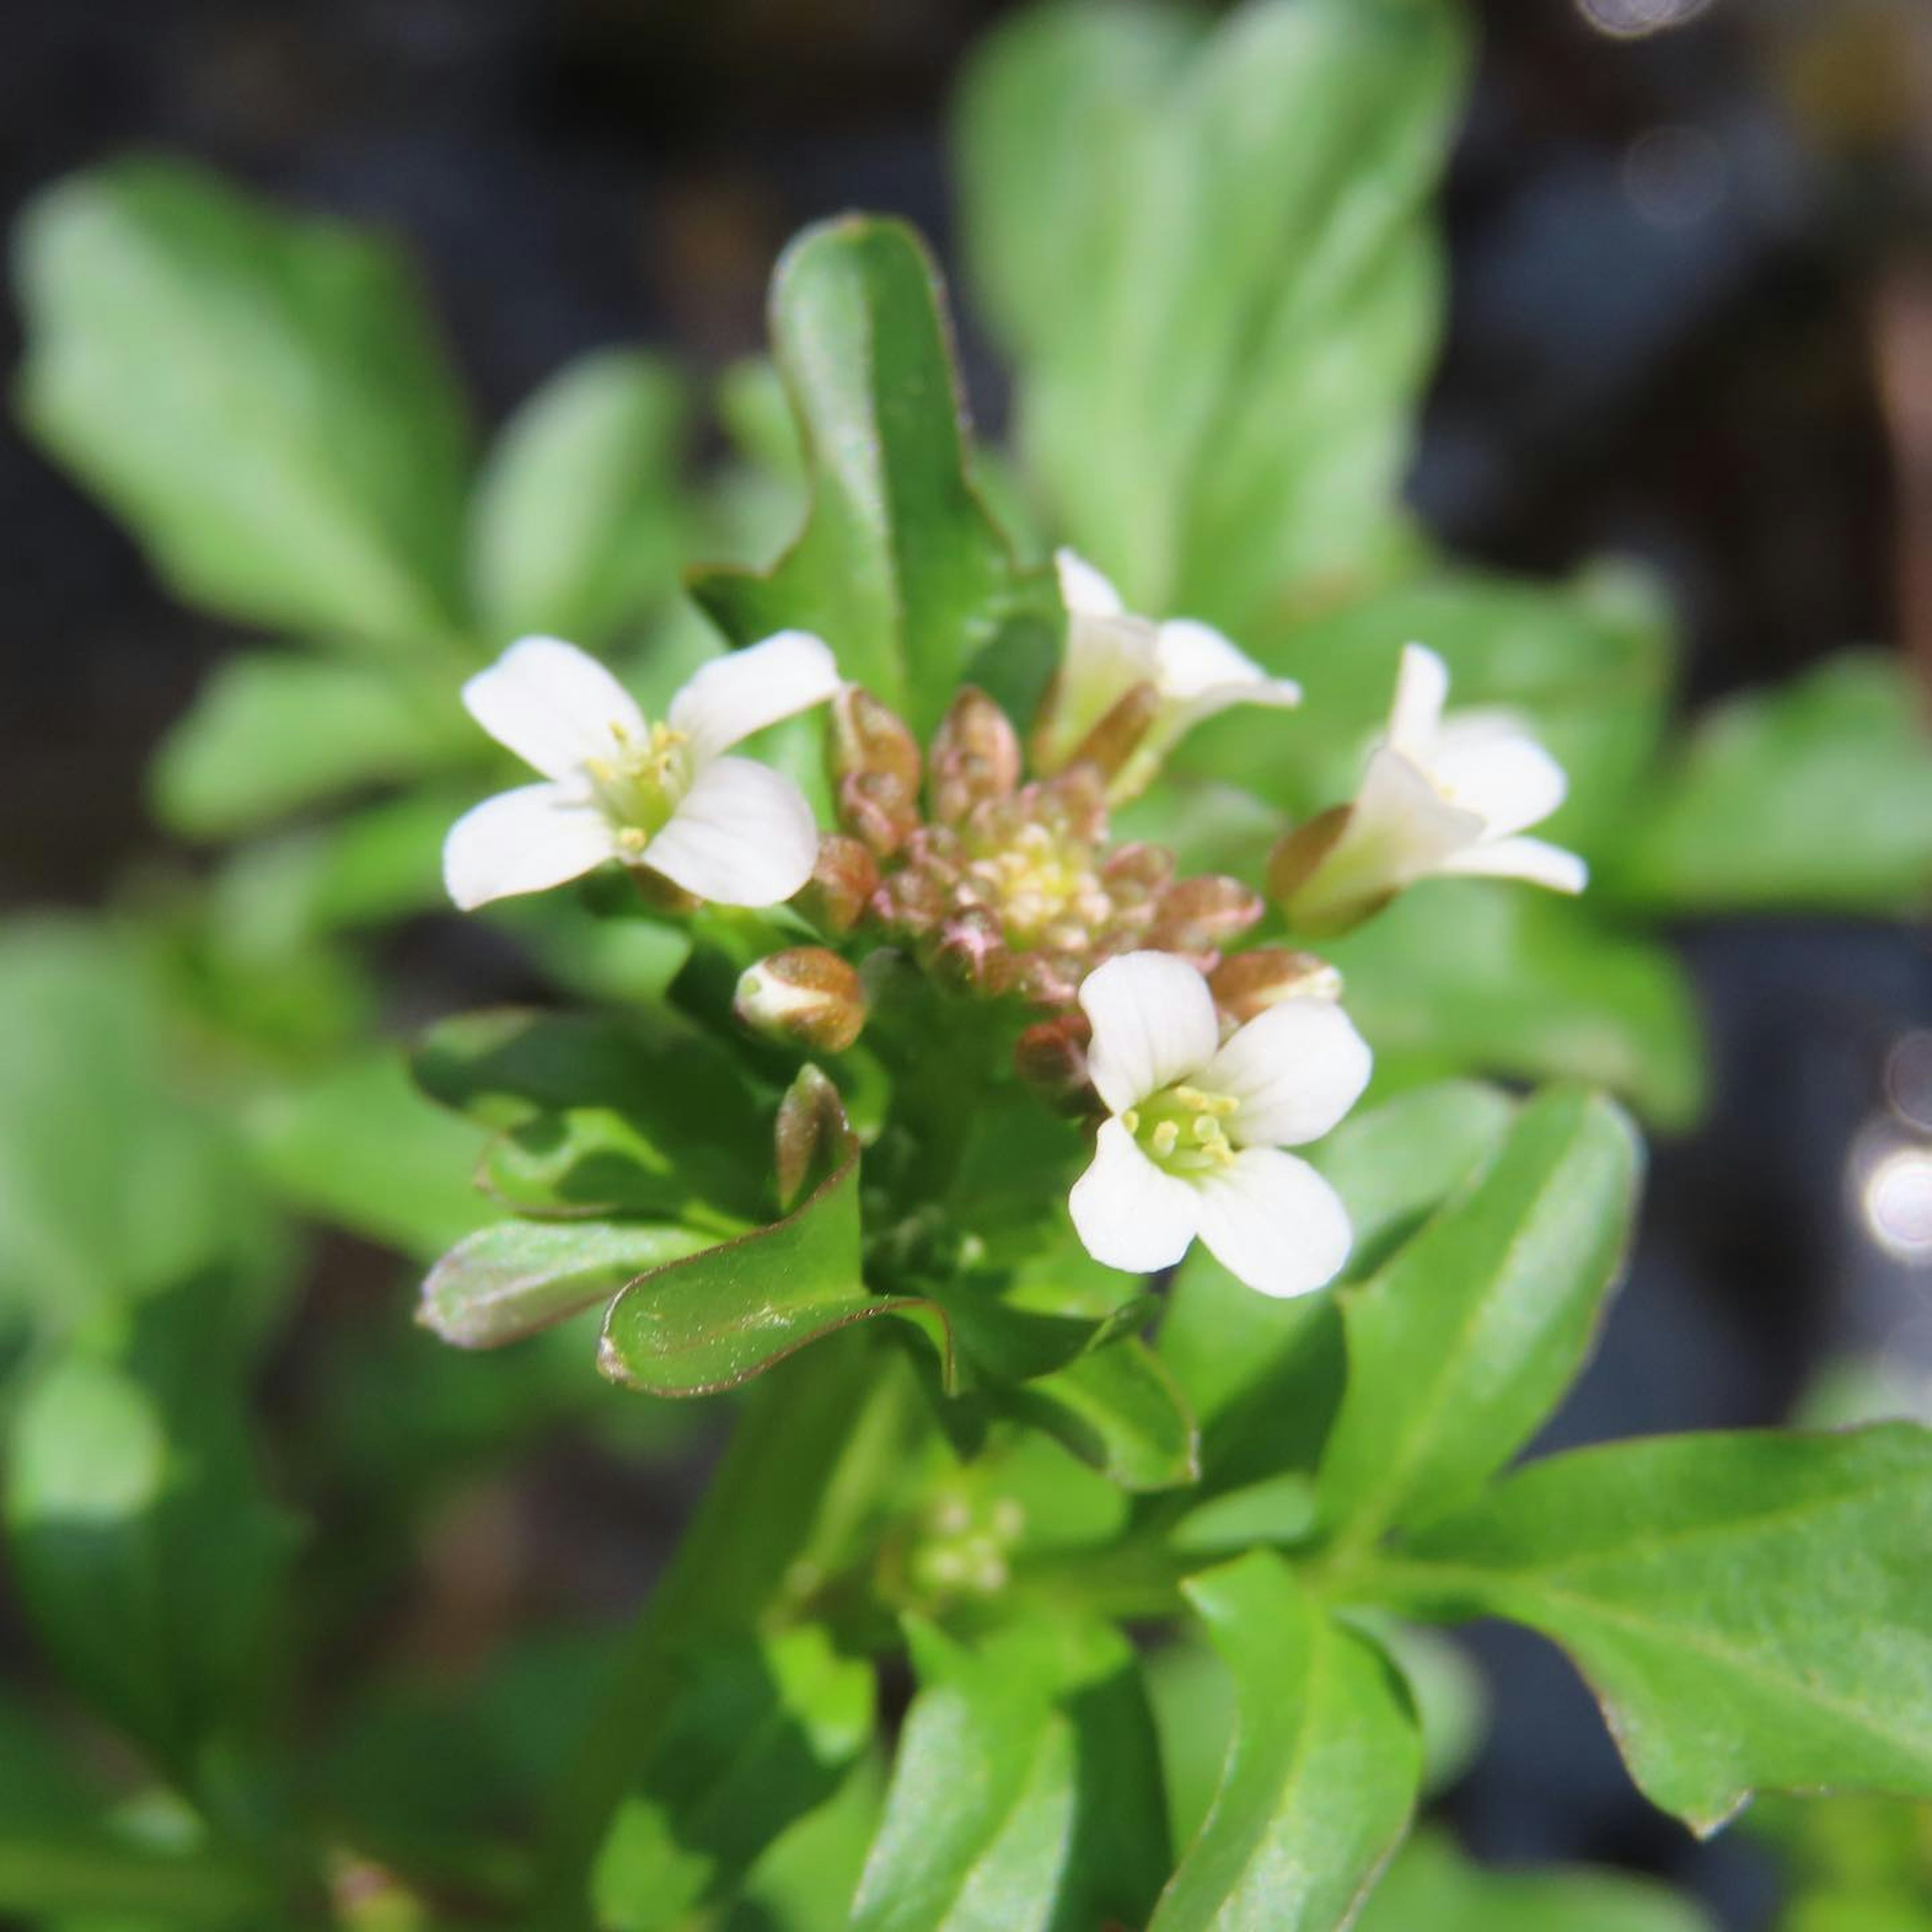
<point>807,1436</point>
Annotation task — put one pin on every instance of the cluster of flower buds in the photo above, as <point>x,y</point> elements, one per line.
<point>999,883</point>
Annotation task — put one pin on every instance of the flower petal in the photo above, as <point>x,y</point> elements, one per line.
<point>1421,686</point>
<point>731,696</point>
<point>1084,592</point>
<point>1296,1069</point>
<point>743,835</point>
<point>1153,1023</point>
<point>1487,765</point>
<point>1272,1221</point>
<point>1531,859</point>
<point>553,705</point>
<point>1128,1212</point>
<point>522,841</point>
<point>1194,658</point>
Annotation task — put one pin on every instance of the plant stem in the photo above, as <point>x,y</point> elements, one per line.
<point>763,1514</point>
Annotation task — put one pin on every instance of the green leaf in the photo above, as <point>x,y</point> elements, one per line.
<point>579,526</point>
<point>759,1735</point>
<point>1463,1343</point>
<point>1431,1886</point>
<point>1026,1793</point>
<point>1117,1407</point>
<point>1816,796</point>
<point>1749,1609</point>
<point>898,566</point>
<point>1322,1774</point>
<point>261,399</point>
<point>1585,664</point>
<point>1264,1376</point>
<point>650,1113</point>
<point>1220,290</point>
<point>113,1181</point>
<point>146,1554</point>
<point>507,1280</point>
<point>1467,975</point>
<point>360,1147</point>
<point>271,733</point>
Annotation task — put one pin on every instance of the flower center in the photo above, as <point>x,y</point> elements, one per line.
<point>1181,1129</point>
<point>638,786</point>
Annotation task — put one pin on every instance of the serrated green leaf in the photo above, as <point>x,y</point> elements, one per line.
<point>1463,1343</point>
<point>261,399</point>
<point>1816,796</point>
<point>1216,282</point>
<point>1749,1609</point>
<point>146,1555</point>
<point>1026,1792</point>
<point>578,527</point>
<point>898,566</point>
<point>1431,1886</point>
<point>760,1734</point>
<point>1321,1776</point>
<point>1466,975</point>
<point>269,734</point>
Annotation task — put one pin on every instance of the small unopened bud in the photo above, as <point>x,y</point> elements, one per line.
<point>806,996</point>
<point>875,770</point>
<point>811,1136</point>
<point>844,876</point>
<point>976,756</point>
<point>1250,982</point>
<point>1110,746</point>
<point>1198,916</point>
<point>970,952</point>
<point>1051,1056</point>
<point>1134,873</point>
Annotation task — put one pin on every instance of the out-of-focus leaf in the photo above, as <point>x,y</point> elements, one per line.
<point>1217,281</point>
<point>805,1881</point>
<point>1817,796</point>
<point>1321,1775</point>
<point>694,1141</point>
<point>146,1555</point>
<point>1431,1885</point>
<point>1461,1346</point>
<point>579,528</point>
<point>1117,1407</point>
<point>261,399</point>
<point>360,1147</point>
<point>1026,1792</point>
<point>1468,975</point>
<point>1751,1608</point>
<point>759,1734</point>
<point>1265,1376</point>
<point>113,1181</point>
<point>269,734</point>
<point>1585,665</point>
<point>507,1280</point>
<point>898,567</point>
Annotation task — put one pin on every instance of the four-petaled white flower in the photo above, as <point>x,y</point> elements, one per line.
<point>1194,671</point>
<point>1438,794</point>
<point>618,786</point>
<point>1194,1143</point>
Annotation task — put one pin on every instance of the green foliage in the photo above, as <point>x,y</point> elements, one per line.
<point>303,464</point>
<point>897,561</point>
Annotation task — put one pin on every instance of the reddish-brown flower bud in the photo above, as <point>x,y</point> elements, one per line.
<point>971,953</point>
<point>1198,916</point>
<point>976,756</point>
<point>806,996</point>
<point>1250,982</point>
<point>875,770</point>
<point>1134,873</point>
<point>811,1135</point>
<point>1052,1055</point>
<point>844,877</point>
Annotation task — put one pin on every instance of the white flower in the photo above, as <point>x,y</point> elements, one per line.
<point>1438,794</point>
<point>1194,670</point>
<point>1193,1146</point>
<point>617,786</point>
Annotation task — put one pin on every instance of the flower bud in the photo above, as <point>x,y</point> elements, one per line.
<point>875,770</point>
<point>806,996</point>
<point>1250,982</point>
<point>976,756</point>
<point>844,876</point>
<point>971,953</point>
<point>1198,916</point>
<point>811,1137</point>
<point>1051,1056</point>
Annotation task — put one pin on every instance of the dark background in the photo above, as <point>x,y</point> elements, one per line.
<point>1692,321</point>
